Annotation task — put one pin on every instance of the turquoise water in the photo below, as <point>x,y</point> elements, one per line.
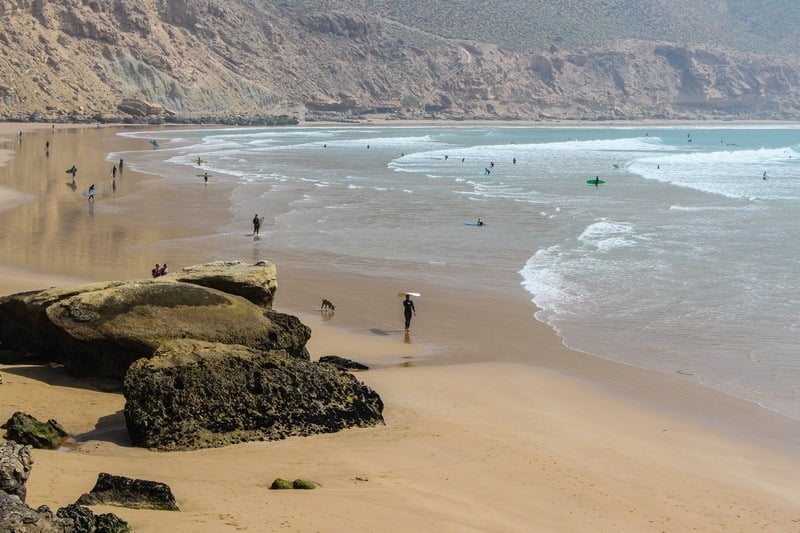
<point>684,261</point>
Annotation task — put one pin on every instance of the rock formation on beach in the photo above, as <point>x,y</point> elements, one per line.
<point>101,328</point>
<point>239,61</point>
<point>194,394</point>
<point>201,367</point>
<point>16,463</point>
<point>256,283</point>
<point>22,428</point>
<point>132,493</point>
<point>15,516</point>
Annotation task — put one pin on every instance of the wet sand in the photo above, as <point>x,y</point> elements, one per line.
<point>491,424</point>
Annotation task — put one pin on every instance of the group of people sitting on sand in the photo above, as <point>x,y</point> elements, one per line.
<point>159,270</point>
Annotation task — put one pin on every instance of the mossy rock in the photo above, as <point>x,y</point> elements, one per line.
<point>303,484</point>
<point>280,484</point>
<point>22,428</point>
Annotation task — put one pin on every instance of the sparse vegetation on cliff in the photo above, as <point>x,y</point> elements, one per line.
<point>277,62</point>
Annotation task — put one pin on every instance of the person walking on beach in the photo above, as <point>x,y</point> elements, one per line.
<point>205,177</point>
<point>114,172</point>
<point>91,192</point>
<point>408,310</point>
<point>120,166</point>
<point>256,224</point>
<point>597,181</point>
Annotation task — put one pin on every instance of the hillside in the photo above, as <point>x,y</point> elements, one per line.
<point>533,25</point>
<point>251,60</point>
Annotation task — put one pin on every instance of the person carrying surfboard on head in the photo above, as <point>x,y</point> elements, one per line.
<point>408,310</point>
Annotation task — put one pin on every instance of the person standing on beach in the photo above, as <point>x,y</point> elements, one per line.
<point>256,224</point>
<point>408,310</point>
<point>120,166</point>
<point>114,172</point>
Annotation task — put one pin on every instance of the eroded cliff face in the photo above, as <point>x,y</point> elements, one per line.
<point>239,60</point>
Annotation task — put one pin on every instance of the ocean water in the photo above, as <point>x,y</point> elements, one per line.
<point>684,260</point>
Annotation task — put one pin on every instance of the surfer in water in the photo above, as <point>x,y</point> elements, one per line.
<point>256,224</point>
<point>764,177</point>
<point>480,221</point>
<point>408,310</point>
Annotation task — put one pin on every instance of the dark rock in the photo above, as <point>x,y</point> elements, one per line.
<point>82,517</point>
<point>16,517</point>
<point>256,283</point>
<point>100,329</point>
<point>131,493</point>
<point>342,363</point>
<point>25,429</point>
<point>193,394</point>
<point>110,523</point>
<point>16,463</point>
<point>280,484</point>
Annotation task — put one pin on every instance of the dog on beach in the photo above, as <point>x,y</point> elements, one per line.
<point>327,305</point>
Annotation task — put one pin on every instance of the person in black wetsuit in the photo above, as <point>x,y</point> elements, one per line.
<point>256,224</point>
<point>408,310</point>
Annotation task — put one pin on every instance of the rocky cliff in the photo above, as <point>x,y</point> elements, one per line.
<point>249,60</point>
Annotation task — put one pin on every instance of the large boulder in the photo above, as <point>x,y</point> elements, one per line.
<point>16,463</point>
<point>132,493</point>
<point>22,428</point>
<point>193,394</point>
<point>257,282</point>
<point>101,328</point>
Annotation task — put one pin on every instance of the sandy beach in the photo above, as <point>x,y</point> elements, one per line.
<point>483,432</point>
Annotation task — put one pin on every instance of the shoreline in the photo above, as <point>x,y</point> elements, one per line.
<point>513,308</point>
<point>469,353</point>
<point>449,340</point>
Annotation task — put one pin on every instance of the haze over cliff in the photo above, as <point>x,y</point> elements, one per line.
<point>252,60</point>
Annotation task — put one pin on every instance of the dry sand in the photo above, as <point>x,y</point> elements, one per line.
<point>474,439</point>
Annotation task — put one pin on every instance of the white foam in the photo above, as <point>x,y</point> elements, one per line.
<point>732,174</point>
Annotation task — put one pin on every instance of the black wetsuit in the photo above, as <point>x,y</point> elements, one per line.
<point>256,225</point>
<point>408,311</point>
